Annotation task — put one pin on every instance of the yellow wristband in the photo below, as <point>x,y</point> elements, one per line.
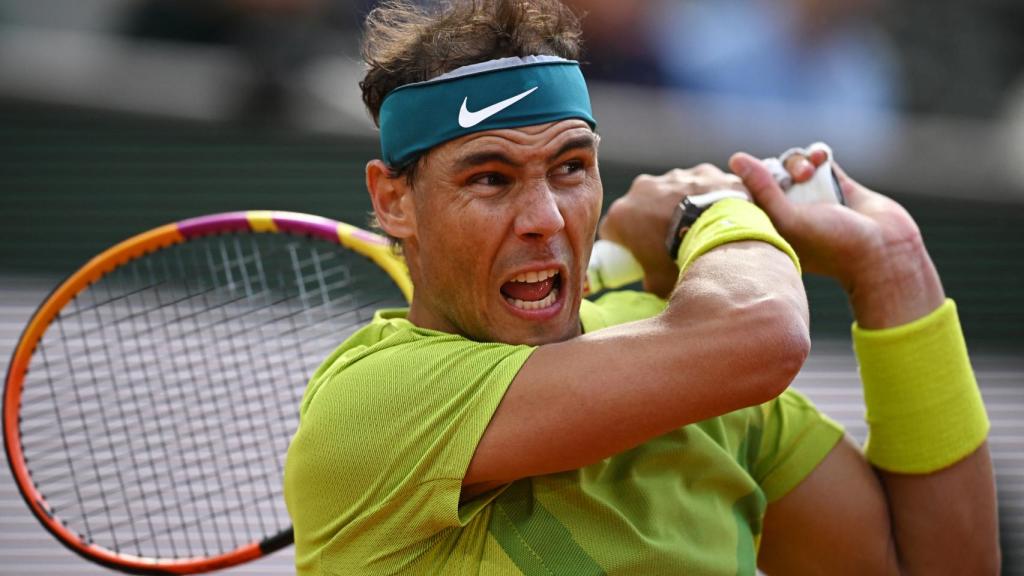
<point>730,220</point>
<point>924,410</point>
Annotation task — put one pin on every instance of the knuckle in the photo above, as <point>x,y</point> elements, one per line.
<point>678,176</point>
<point>642,180</point>
<point>642,184</point>
<point>734,182</point>
<point>616,210</point>
<point>792,161</point>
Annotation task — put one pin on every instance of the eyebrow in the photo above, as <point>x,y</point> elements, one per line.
<point>481,158</point>
<point>472,160</point>
<point>580,142</point>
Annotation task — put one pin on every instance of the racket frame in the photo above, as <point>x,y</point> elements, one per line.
<point>368,244</point>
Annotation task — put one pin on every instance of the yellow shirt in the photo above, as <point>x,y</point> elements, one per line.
<point>391,420</point>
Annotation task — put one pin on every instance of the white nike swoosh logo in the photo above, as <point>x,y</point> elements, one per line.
<point>469,119</point>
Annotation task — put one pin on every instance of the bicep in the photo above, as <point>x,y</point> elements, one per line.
<point>836,521</point>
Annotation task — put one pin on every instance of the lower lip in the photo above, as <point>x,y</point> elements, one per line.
<point>540,314</point>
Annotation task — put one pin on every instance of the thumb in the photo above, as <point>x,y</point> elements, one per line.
<point>853,192</point>
<point>762,186</point>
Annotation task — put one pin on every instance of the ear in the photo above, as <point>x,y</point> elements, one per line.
<point>392,200</point>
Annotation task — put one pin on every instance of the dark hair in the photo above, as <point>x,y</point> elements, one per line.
<point>405,43</point>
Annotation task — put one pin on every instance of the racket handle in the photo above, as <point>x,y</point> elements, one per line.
<point>613,266</point>
<point>823,187</point>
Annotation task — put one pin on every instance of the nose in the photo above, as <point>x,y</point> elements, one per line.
<point>539,215</point>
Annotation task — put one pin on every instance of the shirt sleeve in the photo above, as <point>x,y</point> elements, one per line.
<point>795,438</point>
<point>619,307</point>
<point>374,472</point>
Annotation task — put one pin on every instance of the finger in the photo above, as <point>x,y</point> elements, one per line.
<point>799,167</point>
<point>721,181</point>
<point>604,231</point>
<point>818,157</point>
<point>706,168</point>
<point>762,186</point>
<point>852,191</point>
<point>609,229</point>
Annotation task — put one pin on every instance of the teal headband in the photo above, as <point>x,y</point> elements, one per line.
<point>505,93</point>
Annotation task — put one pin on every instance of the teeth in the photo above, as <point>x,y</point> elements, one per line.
<point>534,305</point>
<point>535,276</point>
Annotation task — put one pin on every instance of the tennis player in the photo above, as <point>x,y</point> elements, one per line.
<point>503,424</point>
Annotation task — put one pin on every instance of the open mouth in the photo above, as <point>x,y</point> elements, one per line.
<point>533,290</point>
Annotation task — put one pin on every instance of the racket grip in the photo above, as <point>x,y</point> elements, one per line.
<point>612,266</point>
<point>823,187</point>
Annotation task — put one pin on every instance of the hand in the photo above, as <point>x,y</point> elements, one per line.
<point>639,220</point>
<point>871,246</point>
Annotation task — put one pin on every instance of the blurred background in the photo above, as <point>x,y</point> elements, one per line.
<point>120,115</point>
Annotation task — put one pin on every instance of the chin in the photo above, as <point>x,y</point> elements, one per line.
<point>537,334</point>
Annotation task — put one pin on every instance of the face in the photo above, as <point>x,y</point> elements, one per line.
<point>504,222</point>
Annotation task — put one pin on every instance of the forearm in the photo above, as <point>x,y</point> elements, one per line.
<point>943,521</point>
<point>734,334</point>
<point>920,499</point>
<point>902,286</point>
<point>928,503</point>
<point>743,310</point>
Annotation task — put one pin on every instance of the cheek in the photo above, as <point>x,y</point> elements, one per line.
<point>464,249</point>
<point>587,217</point>
<point>586,208</point>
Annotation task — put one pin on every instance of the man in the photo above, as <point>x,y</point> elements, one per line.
<point>505,425</point>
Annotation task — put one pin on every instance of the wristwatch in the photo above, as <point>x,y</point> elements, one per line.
<point>687,212</point>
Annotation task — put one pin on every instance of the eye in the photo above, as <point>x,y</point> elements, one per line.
<point>569,168</point>
<point>489,179</point>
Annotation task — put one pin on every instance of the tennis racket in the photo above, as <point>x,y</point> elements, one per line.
<point>150,401</point>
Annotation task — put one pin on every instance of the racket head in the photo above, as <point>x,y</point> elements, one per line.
<point>119,394</point>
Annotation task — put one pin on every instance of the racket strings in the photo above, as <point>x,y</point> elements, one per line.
<point>348,305</point>
<point>168,391</point>
<point>78,385</point>
<point>243,357</point>
<point>180,471</point>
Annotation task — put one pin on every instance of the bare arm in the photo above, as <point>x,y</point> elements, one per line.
<point>848,517</point>
<point>734,334</point>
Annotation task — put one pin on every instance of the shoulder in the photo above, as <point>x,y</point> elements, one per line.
<point>393,381</point>
<point>392,361</point>
<point>391,422</point>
